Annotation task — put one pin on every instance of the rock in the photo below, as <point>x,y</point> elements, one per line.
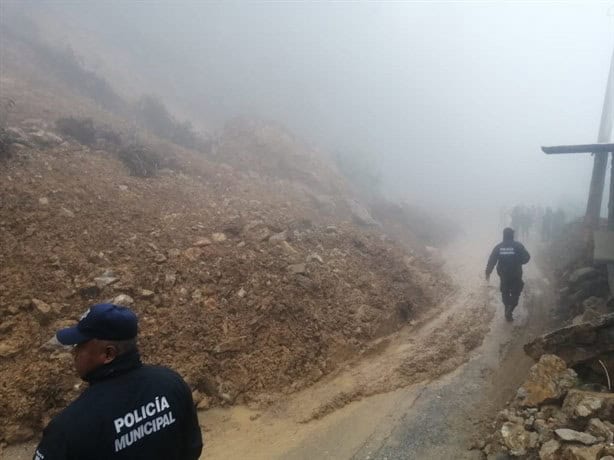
<point>45,138</point>
<point>583,404</point>
<point>277,237</point>
<point>575,436</point>
<point>550,450</point>
<point>204,403</point>
<point>218,237</point>
<point>576,344</point>
<point>583,274</point>
<point>8,349</point>
<point>548,380</point>
<point>574,452</point>
<point>202,242</point>
<point>517,439</point>
<point>64,212</point>
<point>160,258</point>
<point>360,214</point>
<point>288,248</point>
<point>42,311</point>
<point>193,254</point>
<point>106,279</point>
<point>169,280</point>
<point>236,344</point>
<point>607,457</point>
<point>41,307</point>
<point>241,293</point>
<point>16,434</point>
<point>197,397</point>
<point>260,234</point>
<point>123,299</point>
<point>316,257</point>
<point>147,294</point>
<point>44,201</point>
<point>600,429</point>
<point>123,188</point>
<point>297,269</point>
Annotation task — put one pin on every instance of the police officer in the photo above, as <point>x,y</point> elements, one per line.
<point>129,410</point>
<point>509,256</point>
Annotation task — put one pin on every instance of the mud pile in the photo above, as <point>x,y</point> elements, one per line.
<point>248,283</point>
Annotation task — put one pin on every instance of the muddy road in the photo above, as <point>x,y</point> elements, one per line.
<point>424,392</point>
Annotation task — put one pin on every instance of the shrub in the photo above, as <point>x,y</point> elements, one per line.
<point>80,129</point>
<point>142,161</point>
<point>154,116</point>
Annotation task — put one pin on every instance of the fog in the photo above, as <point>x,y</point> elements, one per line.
<point>454,100</point>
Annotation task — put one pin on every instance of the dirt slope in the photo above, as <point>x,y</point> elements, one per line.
<point>241,282</point>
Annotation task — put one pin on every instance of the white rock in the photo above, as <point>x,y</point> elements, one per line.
<point>218,237</point>
<point>43,201</point>
<point>202,242</point>
<point>123,299</point>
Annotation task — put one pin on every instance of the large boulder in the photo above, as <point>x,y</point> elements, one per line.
<point>582,405</point>
<point>548,381</point>
<point>578,343</point>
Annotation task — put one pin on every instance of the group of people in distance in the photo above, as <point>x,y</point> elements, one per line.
<point>530,221</point>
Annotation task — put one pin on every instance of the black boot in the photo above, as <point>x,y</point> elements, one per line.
<point>508,313</point>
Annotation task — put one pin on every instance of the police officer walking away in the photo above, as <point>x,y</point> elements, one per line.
<point>129,410</point>
<point>509,256</point>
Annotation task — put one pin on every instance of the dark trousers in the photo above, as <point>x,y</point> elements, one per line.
<point>511,287</point>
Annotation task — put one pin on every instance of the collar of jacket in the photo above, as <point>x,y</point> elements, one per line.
<point>120,365</point>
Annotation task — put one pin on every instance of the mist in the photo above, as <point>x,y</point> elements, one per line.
<point>449,101</point>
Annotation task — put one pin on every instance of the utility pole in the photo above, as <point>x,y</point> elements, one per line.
<point>600,162</point>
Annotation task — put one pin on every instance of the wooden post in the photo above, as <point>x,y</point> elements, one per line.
<point>595,193</point>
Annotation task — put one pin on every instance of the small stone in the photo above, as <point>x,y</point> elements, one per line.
<point>44,201</point>
<point>218,237</point>
<point>204,403</point>
<point>202,242</point>
<point>277,237</point>
<point>123,299</point>
<point>64,212</point>
<point>517,439</point>
<point>8,349</point>
<point>169,280</point>
<point>147,294</point>
<point>599,429</point>
<point>241,293</point>
<point>41,307</point>
<point>575,452</point>
<point>569,435</point>
<point>123,188</point>
<point>105,280</point>
<point>160,258</point>
<point>316,257</point>
<point>193,254</point>
<point>550,450</point>
<point>297,269</point>
<point>197,397</point>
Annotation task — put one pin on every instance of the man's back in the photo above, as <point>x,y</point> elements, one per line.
<point>144,413</point>
<point>509,256</point>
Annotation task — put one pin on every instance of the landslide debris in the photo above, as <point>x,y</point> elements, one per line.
<point>250,282</point>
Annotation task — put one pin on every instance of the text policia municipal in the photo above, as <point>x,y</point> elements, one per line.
<point>144,421</point>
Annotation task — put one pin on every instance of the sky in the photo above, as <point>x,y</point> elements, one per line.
<point>452,99</point>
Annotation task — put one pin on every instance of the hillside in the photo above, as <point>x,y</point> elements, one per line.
<point>252,265</point>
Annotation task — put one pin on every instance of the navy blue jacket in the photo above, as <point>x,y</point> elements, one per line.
<point>509,256</point>
<point>129,411</point>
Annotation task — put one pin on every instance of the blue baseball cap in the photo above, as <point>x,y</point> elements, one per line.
<point>103,321</point>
